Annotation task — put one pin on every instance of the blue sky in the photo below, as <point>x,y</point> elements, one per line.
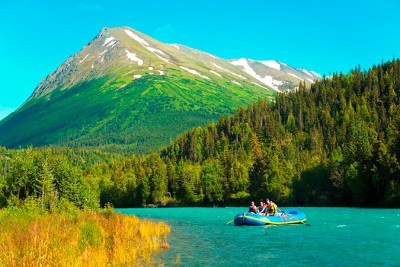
<point>324,36</point>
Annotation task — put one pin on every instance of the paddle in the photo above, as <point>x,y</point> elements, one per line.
<point>306,224</point>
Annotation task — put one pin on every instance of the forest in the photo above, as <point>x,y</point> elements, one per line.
<point>336,143</point>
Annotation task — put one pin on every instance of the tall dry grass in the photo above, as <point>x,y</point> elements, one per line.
<point>79,238</point>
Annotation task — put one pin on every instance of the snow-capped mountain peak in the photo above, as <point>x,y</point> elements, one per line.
<point>123,48</point>
<point>272,64</point>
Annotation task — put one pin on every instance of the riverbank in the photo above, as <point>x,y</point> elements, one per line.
<point>32,237</point>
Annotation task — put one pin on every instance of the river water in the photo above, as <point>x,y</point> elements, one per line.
<point>331,237</point>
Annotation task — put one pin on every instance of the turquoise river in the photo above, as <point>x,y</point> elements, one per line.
<point>331,237</point>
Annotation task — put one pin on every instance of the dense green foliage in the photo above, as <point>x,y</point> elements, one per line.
<point>337,143</point>
<point>139,116</point>
<point>45,175</point>
<point>334,144</point>
<point>81,177</point>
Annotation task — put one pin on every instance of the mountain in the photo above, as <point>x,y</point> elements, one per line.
<point>128,92</point>
<point>276,75</point>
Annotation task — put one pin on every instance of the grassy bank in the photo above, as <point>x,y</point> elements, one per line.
<point>78,238</point>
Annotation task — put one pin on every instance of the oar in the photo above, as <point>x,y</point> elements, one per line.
<point>294,217</point>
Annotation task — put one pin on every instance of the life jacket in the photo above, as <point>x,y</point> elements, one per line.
<point>272,207</point>
<point>253,209</point>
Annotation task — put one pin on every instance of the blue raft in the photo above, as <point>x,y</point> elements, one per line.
<point>286,217</point>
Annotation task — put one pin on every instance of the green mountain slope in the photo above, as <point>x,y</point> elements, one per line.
<point>140,117</point>
<point>127,92</point>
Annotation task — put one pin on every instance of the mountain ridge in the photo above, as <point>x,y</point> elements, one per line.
<point>106,35</point>
<point>127,91</point>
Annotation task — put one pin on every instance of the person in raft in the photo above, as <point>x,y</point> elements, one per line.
<point>261,208</point>
<point>271,208</point>
<point>253,208</point>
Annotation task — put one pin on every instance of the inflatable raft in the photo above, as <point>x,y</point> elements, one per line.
<point>281,218</point>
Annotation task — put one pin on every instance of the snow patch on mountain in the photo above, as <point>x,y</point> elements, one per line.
<point>306,72</point>
<point>267,80</point>
<point>137,76</point>
<point>216,73</point>
<point>112,44</point>
<point>133,57</point>
<point>105,51</point>
<point>161,72</point>
<point>236,82</point>
<point>260,85</point>
<point>293,75</point>
<point>177,47</point>
<point>316,74</point>
<point>162,58</point>
<point>243,62</point>
<point>273,64</point>
<point>195,72</point>
<point>80,61</point>
<point>237,75</point>
<point>146,45</point>
<point>271,82</point>
<point>109,39</point>
<point>136,38</point>
<point>154,50</point>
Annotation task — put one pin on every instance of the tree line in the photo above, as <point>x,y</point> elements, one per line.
<point>336,143</point>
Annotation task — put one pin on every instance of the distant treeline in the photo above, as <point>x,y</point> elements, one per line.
<point>334,144</point>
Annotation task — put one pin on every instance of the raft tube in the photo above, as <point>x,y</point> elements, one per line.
<point>285,217</point>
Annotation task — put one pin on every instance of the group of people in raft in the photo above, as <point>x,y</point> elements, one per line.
<point>268,208</point>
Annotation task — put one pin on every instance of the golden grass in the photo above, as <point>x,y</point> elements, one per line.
<point>81,238</point>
